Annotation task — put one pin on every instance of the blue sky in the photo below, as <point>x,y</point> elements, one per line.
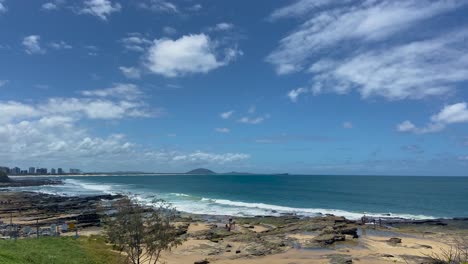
<point>320,87</point>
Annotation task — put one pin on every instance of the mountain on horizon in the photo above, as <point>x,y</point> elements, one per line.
<point>201,171</point>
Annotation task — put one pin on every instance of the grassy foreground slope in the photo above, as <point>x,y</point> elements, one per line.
<point>66,250</point>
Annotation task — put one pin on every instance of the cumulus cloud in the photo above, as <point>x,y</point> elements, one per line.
<point>396,70</point>
<point>32,45</point>
<point>79,108</point>
<point>222,130</point>
<point>130,72</point>
<point>226,115</point>
<point>187,55</point>
<point>100,8</point>
<point>56,138</point>
<point>51,133</point>
<point>450,114</point>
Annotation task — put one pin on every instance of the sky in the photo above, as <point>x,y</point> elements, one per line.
<point>372,87</point>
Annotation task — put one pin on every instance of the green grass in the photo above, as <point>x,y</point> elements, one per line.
<point>66,250</point>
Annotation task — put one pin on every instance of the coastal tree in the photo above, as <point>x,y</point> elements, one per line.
<point>142,233</point>
<point>4,177</point>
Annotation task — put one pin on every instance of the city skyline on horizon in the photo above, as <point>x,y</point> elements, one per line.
<point>300,86</point>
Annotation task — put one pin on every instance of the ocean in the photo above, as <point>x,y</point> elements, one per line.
<point>308,195</point>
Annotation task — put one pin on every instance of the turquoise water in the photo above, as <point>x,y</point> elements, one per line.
<point>246,195</point>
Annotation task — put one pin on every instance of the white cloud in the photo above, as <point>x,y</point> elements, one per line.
<point>222,130</point>
<point>32,45</point>
<point>50,133</point>
<point>60,45</point>
<point>56,138</point>
<point>130,72</point>
<point>12,110</point>
<point>450,114</point>
<point>370,21</point>
<point>415,70</point>
<point>252,120</point>
<point>52,5</point>
<point>295,93</point>
<point>49,6</point>
<point>406,126</point>
<point>375,61</point>
<point>303,7</point>
<point>223,26</point>
<point>226,115</point>
<point>3,8</point>
<point>161,6</point>
<point>186,55</point>
<point>95,108</point>
<point>120,90</point>
<point>136,42</point>
<point>347,124</point>
<point>100,8</point>
<point>200,156</point>
<point>79,108</point>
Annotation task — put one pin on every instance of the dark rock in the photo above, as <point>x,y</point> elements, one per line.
<point>228,250</point>
<point>202,262</point>
<point>387,256</point>
<point>394,240</point>
<point>349,231</point>
<point>426,246</point>
<point>328,239</point>
<point>340,259</point>
<point>228,246</point>
<point>238,251</point>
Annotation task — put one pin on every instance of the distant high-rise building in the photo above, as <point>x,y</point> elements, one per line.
<point>15,170</point>
<point>52,171</point>
<point>60,171</point>
<point>24,172</point>
<point>32,170</point>
<point>75,171</point>
<point>41,171</point>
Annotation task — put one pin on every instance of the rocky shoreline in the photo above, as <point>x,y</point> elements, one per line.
<point>332,239</point>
